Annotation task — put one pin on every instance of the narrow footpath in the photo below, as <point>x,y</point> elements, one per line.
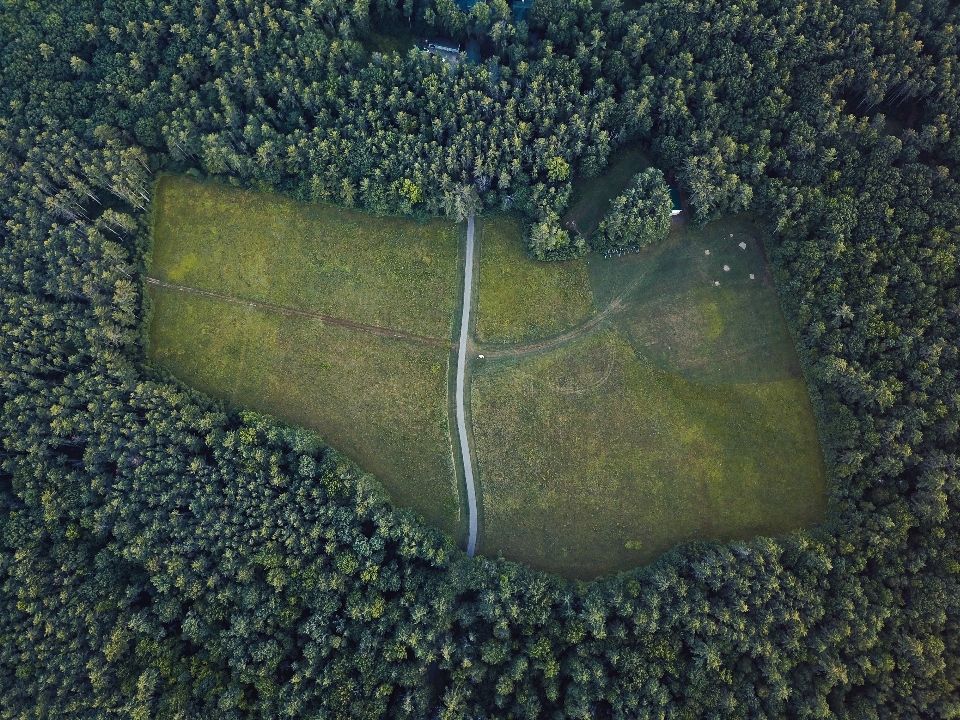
<point>284,310</point>
<point>461,372</point>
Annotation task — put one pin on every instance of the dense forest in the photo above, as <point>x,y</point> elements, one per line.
<point>163,557</point>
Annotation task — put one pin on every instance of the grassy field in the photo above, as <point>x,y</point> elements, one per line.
<point>389,272</point>
<point>381,401</point>
<point>391,39</point>
<point>684,416</point>
<point>678,316</point>
<point>520,299</point>
<point>593,462</point>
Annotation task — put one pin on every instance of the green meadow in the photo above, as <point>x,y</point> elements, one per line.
<point>380,400</point>
<point>520,300</point>
<point>682,415</point>
<point>389,272</point>
<point>623,405</point>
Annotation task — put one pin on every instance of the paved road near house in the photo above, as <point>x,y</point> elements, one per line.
<point>461,371</point>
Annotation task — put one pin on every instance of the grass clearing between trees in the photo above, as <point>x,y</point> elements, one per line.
<point>690,316</point>
<point>674,410</point>
<point>520,299</point>
<point>684,416</point>
<point>593,462</point>
<point>391,37</point>
<point>381,401</point>
<point>590,197</point>
<point>384,271</point>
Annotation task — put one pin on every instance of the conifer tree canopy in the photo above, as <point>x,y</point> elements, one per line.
<point>163,556</point>
<point>637,217</point>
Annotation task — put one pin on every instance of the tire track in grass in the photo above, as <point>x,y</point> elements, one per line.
<point>495,351</point>
<point>283,310</point>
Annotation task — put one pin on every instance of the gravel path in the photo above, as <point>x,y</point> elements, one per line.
<point>461,372</point>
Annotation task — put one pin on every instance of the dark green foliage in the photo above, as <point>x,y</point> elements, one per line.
<point>162,558</point>
<point>549,241</point>
<point>637,217</point>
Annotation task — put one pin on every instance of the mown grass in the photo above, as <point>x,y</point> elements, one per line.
<point>685,416</point>
<point>520,299</point>
<point>679,318</point>
<point>389,272</point>
<point>592,461</point>
<point>381,401</point>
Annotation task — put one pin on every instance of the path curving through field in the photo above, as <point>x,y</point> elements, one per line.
<point>496,351</point>
<point>461,374</point>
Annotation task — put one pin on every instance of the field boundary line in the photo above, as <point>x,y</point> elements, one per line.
<point>284,310</point>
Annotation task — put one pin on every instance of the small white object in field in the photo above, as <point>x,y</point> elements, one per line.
<point>706,252</point>
<point>743,246</point>
<point>751,276</point>
<point>731,234</point>
<point>726,268</point>
<point>481,356</point>
<point>716,282</point>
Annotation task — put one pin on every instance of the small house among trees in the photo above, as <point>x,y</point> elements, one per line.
<point>441,45</point>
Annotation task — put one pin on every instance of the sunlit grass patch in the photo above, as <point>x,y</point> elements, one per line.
<point>592,461</point>
<point>381,401</point>
<point>390,272</point>
<point>378,400</point>
<point>522,299</point>
<point>391,37</point>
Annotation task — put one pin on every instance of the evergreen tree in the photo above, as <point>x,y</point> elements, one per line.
<point>637,217</point>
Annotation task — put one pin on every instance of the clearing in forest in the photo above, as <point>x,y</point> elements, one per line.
<point>380,400</point>
<point>681,415</point>
<point>590,197</point>
<point>621,406</point>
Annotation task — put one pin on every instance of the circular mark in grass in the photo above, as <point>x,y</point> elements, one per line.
<point>585,371</point>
